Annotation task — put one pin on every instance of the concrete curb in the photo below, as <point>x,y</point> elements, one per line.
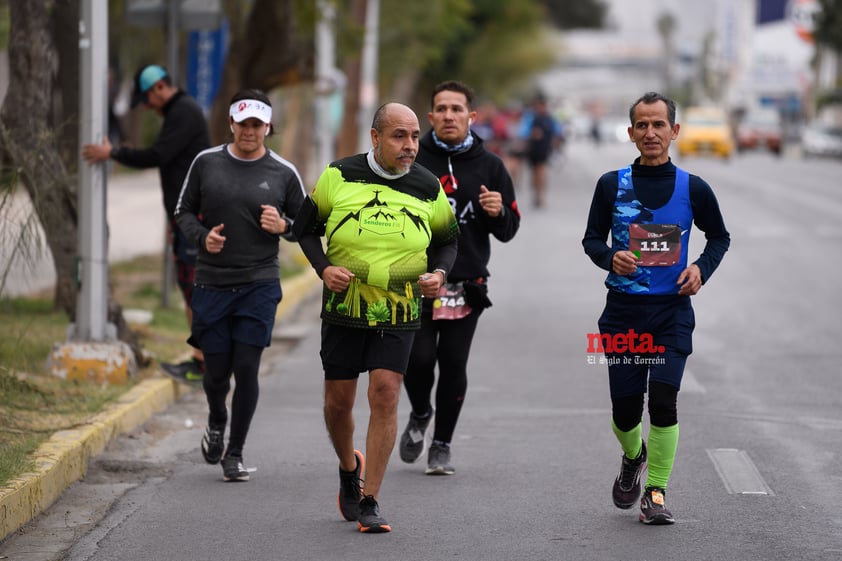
<point>63,459</point>
<point>295,290</point>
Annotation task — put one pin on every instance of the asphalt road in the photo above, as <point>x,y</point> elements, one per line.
<point>757,474</point>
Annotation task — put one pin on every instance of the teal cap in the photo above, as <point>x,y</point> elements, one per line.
<point>145,78</point>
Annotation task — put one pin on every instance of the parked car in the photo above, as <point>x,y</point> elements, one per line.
<point>760,129</point>
<point>705,130</point>
<point>820,139</point>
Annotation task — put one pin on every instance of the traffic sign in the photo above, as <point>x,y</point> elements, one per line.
<point>192,14</point>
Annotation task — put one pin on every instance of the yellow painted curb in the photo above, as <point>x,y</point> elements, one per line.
<point>63,459</point>
<point>296,289</point>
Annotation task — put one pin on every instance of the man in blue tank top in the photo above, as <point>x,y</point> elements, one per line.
<point>648,209</point>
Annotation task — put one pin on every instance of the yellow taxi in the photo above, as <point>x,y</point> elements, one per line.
<point>705,131</point>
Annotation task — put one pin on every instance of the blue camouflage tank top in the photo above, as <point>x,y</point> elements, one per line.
<point>659,238</point>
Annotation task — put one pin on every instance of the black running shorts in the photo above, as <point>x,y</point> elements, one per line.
<point>347,351</point>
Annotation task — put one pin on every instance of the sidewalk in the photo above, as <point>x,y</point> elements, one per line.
<point>136,221</point>
<point>63,459</point>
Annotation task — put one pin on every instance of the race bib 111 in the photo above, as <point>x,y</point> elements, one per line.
<point>655,245</point>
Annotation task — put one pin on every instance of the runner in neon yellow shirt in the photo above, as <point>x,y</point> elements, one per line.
<point>380,231</point>
<point>383,217</point>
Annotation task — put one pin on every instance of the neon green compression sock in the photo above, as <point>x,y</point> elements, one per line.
<point>663,442</point>
<point>630,441</point>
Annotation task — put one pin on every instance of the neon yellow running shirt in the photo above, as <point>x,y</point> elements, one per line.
<point>380,229</point>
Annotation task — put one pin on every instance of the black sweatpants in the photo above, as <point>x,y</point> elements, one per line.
<point>448,343</point>
<point>243,362</point>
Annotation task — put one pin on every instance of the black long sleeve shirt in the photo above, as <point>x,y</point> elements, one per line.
<point>221,189</point>
<point>183,134</point>
<point>654,186</point>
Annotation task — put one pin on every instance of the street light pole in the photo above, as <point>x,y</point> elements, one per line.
<point>92,275</point>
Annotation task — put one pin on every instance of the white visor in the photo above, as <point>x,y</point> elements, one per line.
<point>247,108</point>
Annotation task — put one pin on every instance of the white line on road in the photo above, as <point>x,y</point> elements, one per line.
<point>738,472</point>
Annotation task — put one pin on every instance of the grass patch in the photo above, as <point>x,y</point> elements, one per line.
<point>28,329</point>
<point>16,454</point>
<point>34,404</point>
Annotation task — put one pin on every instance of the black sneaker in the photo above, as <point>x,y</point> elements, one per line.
<point>438,461</point>
<point>412,439</point>
<point>350,489</point>
<point>233,469</point>
<point>212,445</point>
<point>627,485</point>
<point>652,508</point>
<point>370,520</point>
<point>188,372</point>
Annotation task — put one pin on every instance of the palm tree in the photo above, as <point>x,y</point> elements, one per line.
<point>666,29</point>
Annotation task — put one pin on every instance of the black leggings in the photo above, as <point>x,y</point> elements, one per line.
<point>627,412</point>
<point>244,362</point>
<point>447,342</point>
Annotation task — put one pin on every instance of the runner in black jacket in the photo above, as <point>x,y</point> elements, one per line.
<point>483,198</point>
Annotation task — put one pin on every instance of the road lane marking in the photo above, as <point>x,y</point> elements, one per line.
<point>819,423</point>
<point>738,472</point>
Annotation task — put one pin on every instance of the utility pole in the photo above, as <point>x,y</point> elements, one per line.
<point>92,274</point>
<point>368,75</point>
<point>92,351</point>
<point>325,83</point>
<point>172,67</point>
